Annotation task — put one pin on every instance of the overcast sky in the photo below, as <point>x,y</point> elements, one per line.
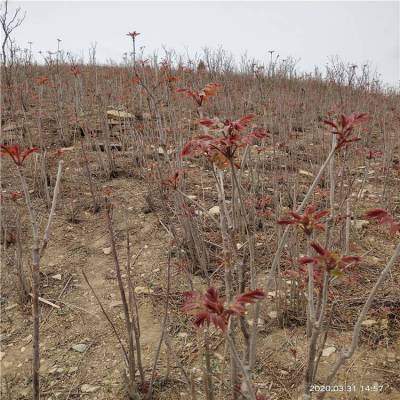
<point>357,32</point>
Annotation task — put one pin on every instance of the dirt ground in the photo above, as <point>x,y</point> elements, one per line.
<point>95,373</point>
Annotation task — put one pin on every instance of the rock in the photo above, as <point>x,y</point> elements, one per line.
<point>182,334</point>
<point>118,115</point>
<point>192,196</point>
<point>369,322</point>
<point>214,210</point>
<point>89,388</point>
<point>328,351</point>
<point>306,173</point>
<point>107,251</point>
<point>391,357</point>
<point>80,348</point>
<point>283,372</point>
<point>2,355</point>
<point>143,290</point>
<point>57,277</point>
<point>53,370</point>
<point>360,223</point>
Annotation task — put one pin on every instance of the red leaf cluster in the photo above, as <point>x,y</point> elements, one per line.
<point>209,308</point>
<point>75,70</point>
<point>328,260</point>
<point>133,34</point>
<point>343,127</point>
<point>226,144</point>
<point>16,154</point>
<point>199,96</point>
<point>383,217</point>
<point>308,222</point>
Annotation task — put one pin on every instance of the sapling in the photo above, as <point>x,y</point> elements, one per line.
<point>18,156</point>
<point>210,309</point>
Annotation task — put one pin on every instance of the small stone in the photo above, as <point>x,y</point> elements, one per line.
<point>2,355</point>
<point>53,369</point>
<point>72,370</point>
<point>283,372</point>
<point>89,388</point>
<point>360,223</point>
<point>214,210</point>
<point>23,349</point>
<point>182,334</point>
<point>328,351</point>
<point>192,196</point>
<point>391,357</point>
<point>160,151</point>
<point>107,250</point>
<point>56,277</point>
<point>305,173</point>
<point>143,290</point>
<point>369,322</point>
<point>80,348</point>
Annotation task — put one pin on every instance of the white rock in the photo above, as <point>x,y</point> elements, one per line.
<point>117,114</point>
<point>56,277</point>
<point>160,151</point>
<point>214,210</point>
<point>283,372</point>
<point>80,348</point>
<point>369,322</point>
<point>328,351</point>
<point>305,173</point>
<point>89,388</point>
<point>107,250</point>
<point>360,223</point>
<point>143,290</point>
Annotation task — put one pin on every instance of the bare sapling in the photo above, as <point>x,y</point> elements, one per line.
<point>18,156</point>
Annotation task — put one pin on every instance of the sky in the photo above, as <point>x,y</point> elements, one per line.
<point>357,32</point>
